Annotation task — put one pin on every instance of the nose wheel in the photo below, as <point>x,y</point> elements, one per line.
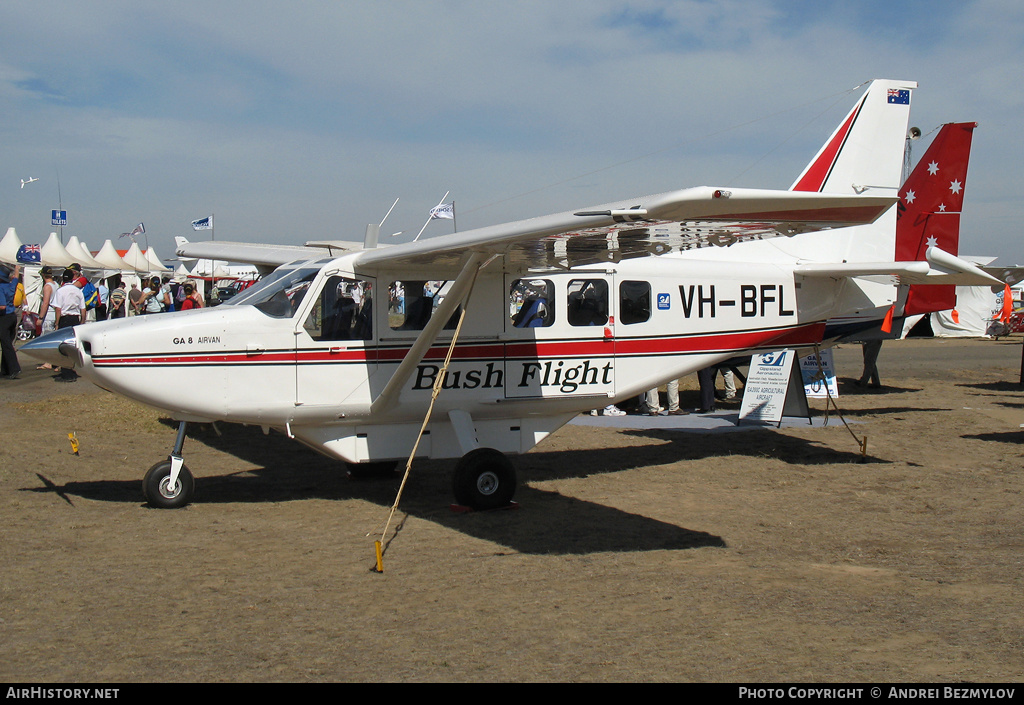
<point>164,491</point>
<point>169,484</point>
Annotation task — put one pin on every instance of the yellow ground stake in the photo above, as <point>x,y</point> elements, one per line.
<point>74,442</point>
<point>438,383</point>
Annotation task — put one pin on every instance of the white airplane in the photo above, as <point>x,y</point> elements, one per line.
<point>30,180</point>
<point>542,319</point>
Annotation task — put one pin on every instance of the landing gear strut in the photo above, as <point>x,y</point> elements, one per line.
<point>169,484</point>
<point>484,479</point>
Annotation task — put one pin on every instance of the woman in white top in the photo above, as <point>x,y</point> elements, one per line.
<point>47,314</point>
<point>150,301</point>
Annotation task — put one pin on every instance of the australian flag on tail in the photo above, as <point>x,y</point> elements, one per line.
<point>899,96</point>
<point>28,254</point>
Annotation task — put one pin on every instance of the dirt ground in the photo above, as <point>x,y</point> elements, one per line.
<point>754,556</point>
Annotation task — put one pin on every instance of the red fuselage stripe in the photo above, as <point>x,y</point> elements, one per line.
<point>611,347</point>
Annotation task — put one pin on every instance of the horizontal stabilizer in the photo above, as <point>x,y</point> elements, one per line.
<point>903,270</point>
<point>1010,275</point>
<point>954,270</point>
<point>940,268</point>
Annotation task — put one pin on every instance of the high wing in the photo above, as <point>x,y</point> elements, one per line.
<point>651,225</point>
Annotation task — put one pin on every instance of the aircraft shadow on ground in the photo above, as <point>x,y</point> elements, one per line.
<point>1014,387</point>
<point>544,522</point>
<point>1001,437</point>
<point>883,410</point>
<point>850,386</point>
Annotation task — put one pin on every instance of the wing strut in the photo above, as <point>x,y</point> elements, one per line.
<point>464,284</point>
<point>460,290</point>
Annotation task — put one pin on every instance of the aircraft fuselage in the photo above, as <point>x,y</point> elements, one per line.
<point>311,350</point>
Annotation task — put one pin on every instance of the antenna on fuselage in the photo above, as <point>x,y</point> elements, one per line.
<point>373,231</point>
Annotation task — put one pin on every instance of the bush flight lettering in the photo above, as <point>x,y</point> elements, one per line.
<point>551,373</point>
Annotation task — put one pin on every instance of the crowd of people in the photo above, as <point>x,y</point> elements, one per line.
<point>74,299</point>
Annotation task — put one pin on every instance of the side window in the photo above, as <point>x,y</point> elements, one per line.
<point>531,303</point>
<point>412,303</point>
<point>587,303</point>
<point>634,302</point>
<point>343,311</point>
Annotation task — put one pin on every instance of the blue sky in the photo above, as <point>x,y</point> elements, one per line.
<point>302,121</point>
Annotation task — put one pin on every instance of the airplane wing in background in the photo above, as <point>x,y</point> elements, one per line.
<point>1010,275</point>
<point>265,257</point>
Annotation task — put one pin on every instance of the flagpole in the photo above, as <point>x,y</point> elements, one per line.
<point>60,204</point>
<point>430,217</point>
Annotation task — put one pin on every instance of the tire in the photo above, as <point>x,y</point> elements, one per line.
<point>380,470</point>
<point>154,487</point>
<point>484,479</point>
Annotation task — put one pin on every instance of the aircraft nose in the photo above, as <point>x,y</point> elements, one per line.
<point>57,348</point>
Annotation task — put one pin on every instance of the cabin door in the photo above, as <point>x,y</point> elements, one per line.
<point>335,350</point>
<point>560,339</point>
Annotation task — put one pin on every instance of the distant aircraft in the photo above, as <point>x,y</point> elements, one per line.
<point>30,180</point>
<point>344,348</point>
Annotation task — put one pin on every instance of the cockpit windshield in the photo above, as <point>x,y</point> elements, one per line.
<point>280,293</point>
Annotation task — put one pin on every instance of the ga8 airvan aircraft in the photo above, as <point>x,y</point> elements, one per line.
<point>562,314</point>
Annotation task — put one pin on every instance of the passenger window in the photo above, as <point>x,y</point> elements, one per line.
<point>343,311</point>
<point>531,303</point>
<point>412,303</point>
<point>634,302</point>
<point>587,302</point>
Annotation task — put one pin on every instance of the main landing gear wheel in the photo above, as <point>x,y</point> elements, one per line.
<point>159,494</point>
<point>484,479</point>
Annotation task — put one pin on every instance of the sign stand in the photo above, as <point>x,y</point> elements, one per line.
<point>796,398</point>
<point>774,388</point>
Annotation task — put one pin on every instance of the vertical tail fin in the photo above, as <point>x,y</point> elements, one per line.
<point>866,150</point>
<point>928,214</point>
<point>864,154</point>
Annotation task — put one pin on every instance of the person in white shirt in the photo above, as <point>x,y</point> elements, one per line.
<point>69,306</point>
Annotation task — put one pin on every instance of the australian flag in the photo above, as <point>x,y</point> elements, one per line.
<point>28,254</point>
<point>898,96</point>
